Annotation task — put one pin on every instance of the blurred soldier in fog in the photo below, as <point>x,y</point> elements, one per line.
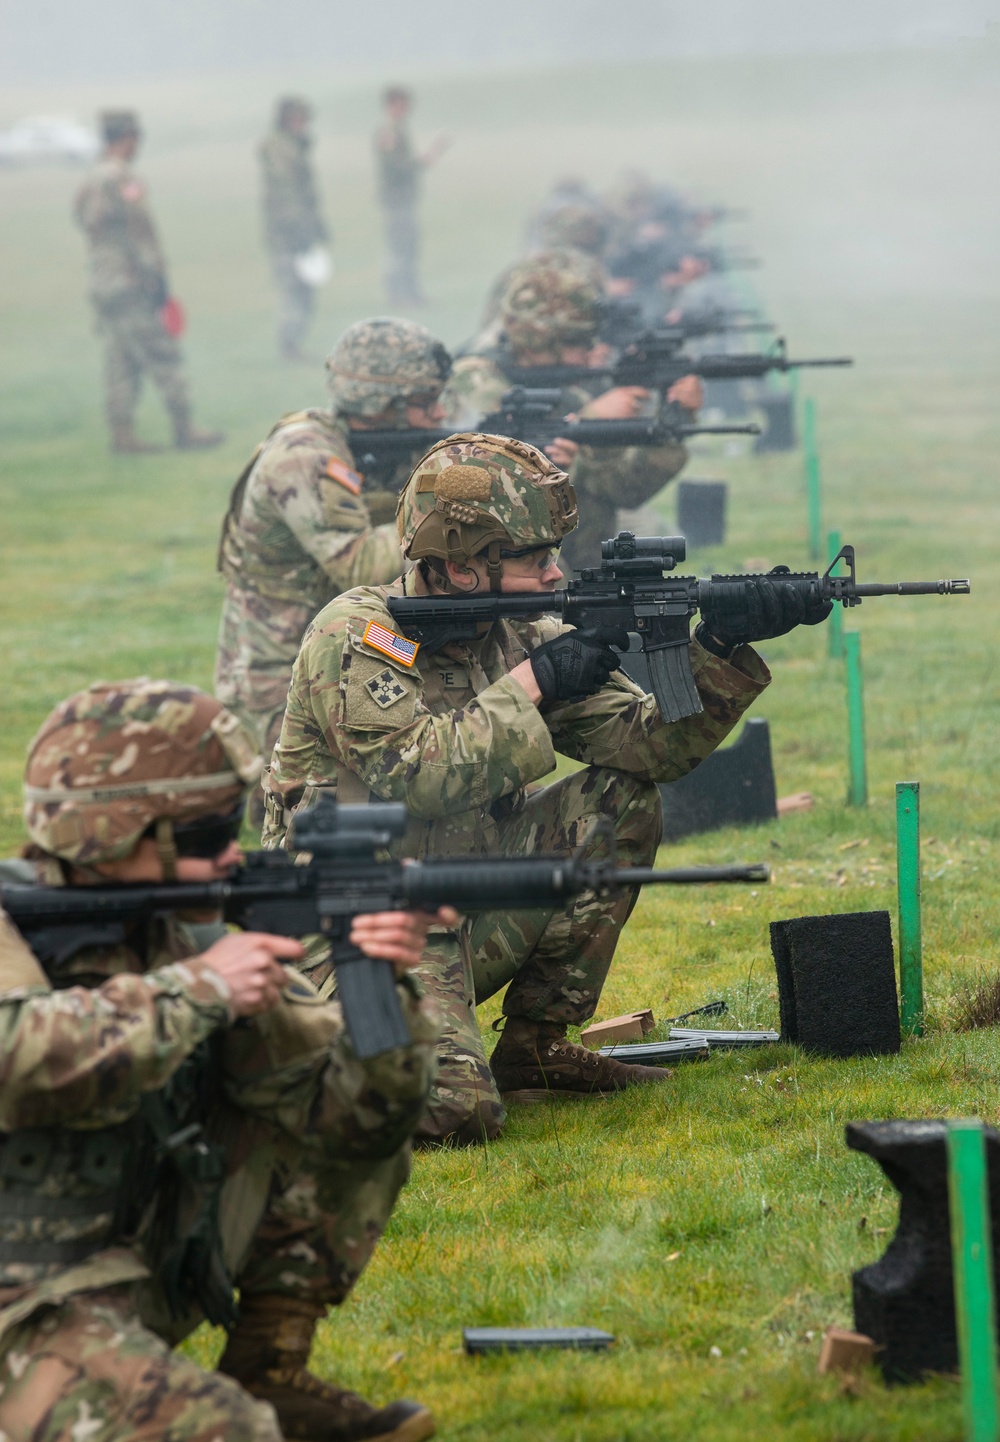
<point>293,225</point>
<point>549,314</point>
<point>398,188</point>
<point>298,530</point>
<point>128,285</point>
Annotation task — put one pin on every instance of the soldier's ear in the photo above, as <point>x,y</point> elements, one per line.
<point>462,576</point>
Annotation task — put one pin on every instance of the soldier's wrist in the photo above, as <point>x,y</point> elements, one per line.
<point>712,644</point>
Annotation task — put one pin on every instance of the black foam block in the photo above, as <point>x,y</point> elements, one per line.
<point>837,983</point>
<point>779,424</point>
<point>905,1301</point>
<point>701,512</point>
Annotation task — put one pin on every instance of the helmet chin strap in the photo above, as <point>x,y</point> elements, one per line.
<point>166,847</point>
<point>494,568</point>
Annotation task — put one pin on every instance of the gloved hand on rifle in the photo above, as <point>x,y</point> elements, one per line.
<point>771,608</point>
<point>577,663</point>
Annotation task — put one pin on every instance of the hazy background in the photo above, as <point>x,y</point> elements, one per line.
<point>61,40</point>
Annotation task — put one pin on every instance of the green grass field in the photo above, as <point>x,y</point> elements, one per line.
<point>712,1227</point>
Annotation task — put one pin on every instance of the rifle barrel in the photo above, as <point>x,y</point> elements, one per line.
<point>753,872</point>
<point>913,588</point>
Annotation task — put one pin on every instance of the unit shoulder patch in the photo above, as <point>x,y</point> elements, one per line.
<point>386,688</point>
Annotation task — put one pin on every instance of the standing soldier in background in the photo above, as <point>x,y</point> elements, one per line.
<point>398,187</point>
<point>293,226</point>
<point>298,531</point>
<point>136,315</point>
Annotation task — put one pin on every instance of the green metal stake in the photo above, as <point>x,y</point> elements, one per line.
<point>835,625</point>
<point>911,966</point>
<point>972,1256</point>
<point>812,478</point>
<point>857,791</point>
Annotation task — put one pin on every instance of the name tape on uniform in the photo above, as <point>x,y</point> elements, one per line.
<point>390,644</point>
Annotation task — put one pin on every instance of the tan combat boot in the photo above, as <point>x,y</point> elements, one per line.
<point>533,1060</point>
<point>125,442</point>
<point>267,1354</point>
<point>188,436</point>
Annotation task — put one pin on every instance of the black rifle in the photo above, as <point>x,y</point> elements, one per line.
<point>531,414</point>
<point>623,324</point>
<point>654,361</point>
<point>631,589</point>
<point>347,875</point>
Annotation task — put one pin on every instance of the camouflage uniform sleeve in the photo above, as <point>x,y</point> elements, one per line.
<point>474,389</point>
<point>374,721</point>
<point>80,1053</point>
<point>316,494</point>
<point>112,210</point>
<point>622,727</point>
<point>634,474</point>
<point>295,1067</point>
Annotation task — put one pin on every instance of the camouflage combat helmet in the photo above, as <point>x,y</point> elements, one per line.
<point>579,225</point>
<point>113,760</point>
<point>552,299</point>
<point>385,364</point>
<point>476,493</point>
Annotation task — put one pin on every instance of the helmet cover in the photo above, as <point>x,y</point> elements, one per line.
<point>111,760</point>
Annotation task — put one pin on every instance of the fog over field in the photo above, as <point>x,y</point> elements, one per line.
<point>59,39</point>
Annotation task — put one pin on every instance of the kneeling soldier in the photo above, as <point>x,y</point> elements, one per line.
<point>153,1101</point>
<point>460,735</point>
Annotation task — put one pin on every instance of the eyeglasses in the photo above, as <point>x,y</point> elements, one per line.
<point>543,556</point>
<point>208,836</point>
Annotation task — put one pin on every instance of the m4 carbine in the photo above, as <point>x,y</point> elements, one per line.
<point>531,414</point>
<point>632,589</point>
<point>653,360</point>
<point>347,874</point>
<point>622,325</point>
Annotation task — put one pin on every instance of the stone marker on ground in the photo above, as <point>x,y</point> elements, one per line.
<point>906,1301</point>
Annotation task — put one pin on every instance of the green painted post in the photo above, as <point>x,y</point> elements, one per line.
<point>812,478</point>
<point>835,625</point>
<point>857,791</point>
<point>972,1256</point>
<point>911,966</point>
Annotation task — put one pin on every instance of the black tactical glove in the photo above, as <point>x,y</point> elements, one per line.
<point>577,663</point>
<point>771,608</point>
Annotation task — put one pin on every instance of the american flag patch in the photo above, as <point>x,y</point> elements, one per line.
<point>386,641</point>
<point>337,471</point>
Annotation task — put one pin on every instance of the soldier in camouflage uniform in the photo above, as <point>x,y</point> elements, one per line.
<point>292,220</point>
<point>399,173</point>
<point>298,530</point>
<point>129,290</point>
<point>549,315</point>
<point>115,1037</point>
<point>461,734</point>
